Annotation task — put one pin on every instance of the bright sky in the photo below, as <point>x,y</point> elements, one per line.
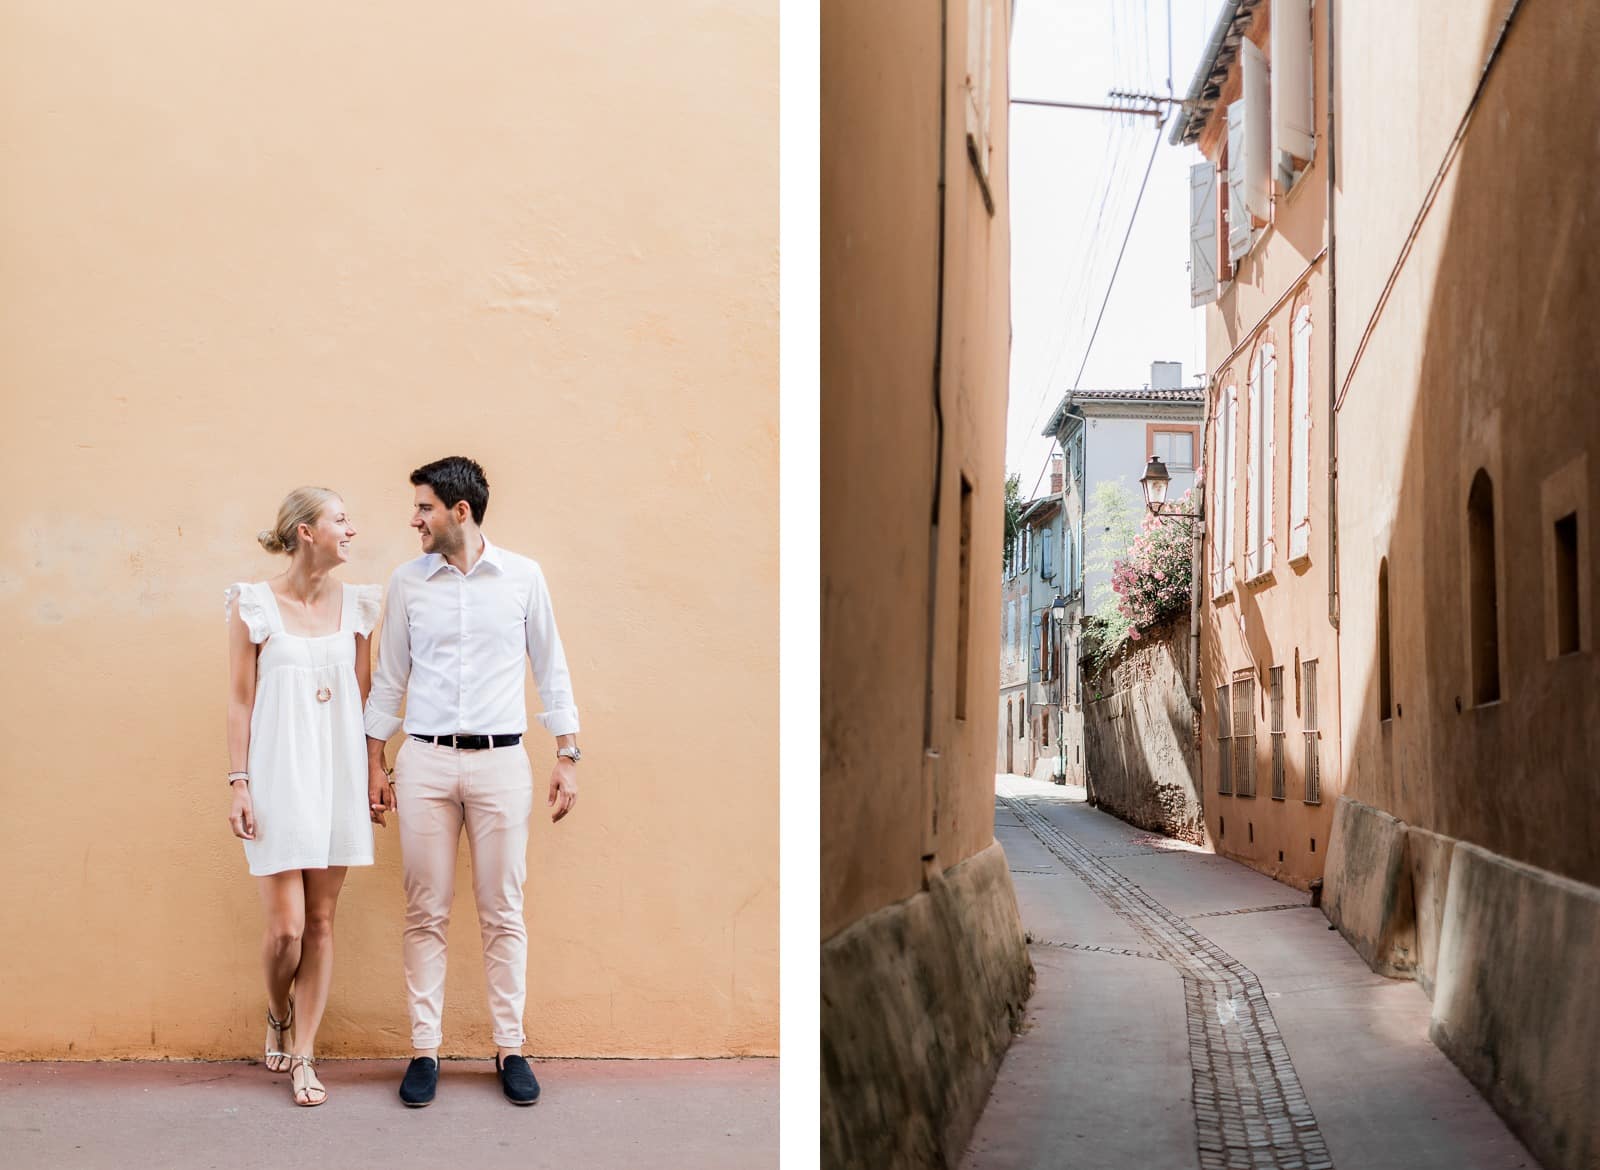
<point>1074,178</point>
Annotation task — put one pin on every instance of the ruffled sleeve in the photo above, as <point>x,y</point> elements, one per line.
<point>369,604</point>
<point>251,610</point>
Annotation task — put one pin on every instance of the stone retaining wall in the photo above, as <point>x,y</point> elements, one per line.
<point>1141,756</point>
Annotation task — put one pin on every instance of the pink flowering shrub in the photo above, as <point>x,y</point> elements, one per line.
<point>1152,581</point>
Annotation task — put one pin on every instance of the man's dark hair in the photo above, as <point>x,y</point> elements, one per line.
<point>453,480</point>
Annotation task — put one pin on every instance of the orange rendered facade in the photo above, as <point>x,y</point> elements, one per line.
<point>255,250</point>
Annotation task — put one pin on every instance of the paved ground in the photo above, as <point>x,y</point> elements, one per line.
<point>594,1114</point>
<point>1192,1013</point>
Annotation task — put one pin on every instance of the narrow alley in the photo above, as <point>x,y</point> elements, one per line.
<point>1210,450</point>
<point>1191,1012</point>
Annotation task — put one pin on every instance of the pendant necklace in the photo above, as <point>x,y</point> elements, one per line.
<point>324,693</point>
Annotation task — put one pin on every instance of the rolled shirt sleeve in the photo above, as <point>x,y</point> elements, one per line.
<point>382,716</point>
<point>549,661</point>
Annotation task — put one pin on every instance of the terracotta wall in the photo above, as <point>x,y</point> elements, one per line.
<point>883,355</point>
<point>1483,357</point>
<point>252,248</point>
<point>1281,619</point>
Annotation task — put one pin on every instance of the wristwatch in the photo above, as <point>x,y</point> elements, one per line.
<point>570,753</point>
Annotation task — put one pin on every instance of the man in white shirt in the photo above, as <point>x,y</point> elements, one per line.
<point>458,623</point>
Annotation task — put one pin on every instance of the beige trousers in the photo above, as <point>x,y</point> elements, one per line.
<point>437,790</point>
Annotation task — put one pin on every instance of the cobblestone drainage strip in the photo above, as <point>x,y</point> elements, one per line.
<point>1250,1111</point>
<point>1253,910</point>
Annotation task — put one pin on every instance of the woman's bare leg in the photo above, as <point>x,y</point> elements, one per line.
<point>283,899</point>
<point>316,962</point>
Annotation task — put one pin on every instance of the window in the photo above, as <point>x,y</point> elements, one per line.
<point>1027,550</point>
<point>1567,633</point>
<point>1485,616</point>
<point>1249,152</point>
<point>1222,502</point>
<point>1047,646</point>
<point>1563,506</point>
<point>1271,135</point>
<point>1033,648</point>
<point>1313,761</point>
<point>1244,735</point>
<point>1175,448</point>
<point>1385,680</point>
<point>980,86</point>
<point>1224,745</point>
<point>1300,441</point>
<point>1277,732</point>
<point>1047,568</point>
<point>1259,474</point>
<point>1293,104</point>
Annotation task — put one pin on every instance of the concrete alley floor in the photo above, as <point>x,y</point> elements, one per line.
<point>596,1114</point>
<point>1193,1013</point>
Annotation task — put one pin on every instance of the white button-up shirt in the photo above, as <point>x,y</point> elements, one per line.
<point>453,645</point>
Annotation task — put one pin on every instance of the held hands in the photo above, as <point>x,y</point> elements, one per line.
<point>242,817</point>
<point>563,788</point>
<point>380,794</point>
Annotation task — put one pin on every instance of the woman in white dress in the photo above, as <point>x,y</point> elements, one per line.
<point>299,674</point>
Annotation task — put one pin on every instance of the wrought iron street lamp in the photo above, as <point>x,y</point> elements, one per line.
<point>1155,482</point>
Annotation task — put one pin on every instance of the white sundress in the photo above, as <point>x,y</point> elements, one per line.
<point>308,759</point>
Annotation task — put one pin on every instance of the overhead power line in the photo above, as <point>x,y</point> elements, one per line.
<point>1110,287</point>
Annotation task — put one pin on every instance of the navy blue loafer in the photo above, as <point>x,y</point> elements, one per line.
<point>421,1081</point>
<point>517,1080</point>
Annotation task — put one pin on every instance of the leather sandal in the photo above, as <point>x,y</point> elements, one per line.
<point>303,1093</point>
<point>280,1027</point>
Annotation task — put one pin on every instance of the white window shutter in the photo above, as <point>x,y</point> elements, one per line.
<point>1252,475</point>
<point>1239,226</point>
<point>1293,129</point>
<point>1224,497</point>
<point>1202,234</point>
<point>1233,483</point>
<point>1214,473</point>
<point>1257,160</point>
<point>1300,445</point>
<point>1265,544</point>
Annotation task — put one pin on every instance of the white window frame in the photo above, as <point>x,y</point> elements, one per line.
<point>1157,433</point>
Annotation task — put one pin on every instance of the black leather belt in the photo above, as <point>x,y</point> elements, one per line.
<point>471,743</point>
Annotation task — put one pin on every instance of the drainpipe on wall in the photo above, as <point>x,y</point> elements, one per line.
<point>1197,562</point>
<point>930,749</point>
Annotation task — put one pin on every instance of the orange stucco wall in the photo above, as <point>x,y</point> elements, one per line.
<point>1483,357</point>
<point>252,248</point>
<point>881,347</point>
<point>1282,618</point>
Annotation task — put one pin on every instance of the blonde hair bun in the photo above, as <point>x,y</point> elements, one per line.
<point>301,506</point>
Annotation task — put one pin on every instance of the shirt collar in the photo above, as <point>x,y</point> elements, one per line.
<point>491,558</point>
